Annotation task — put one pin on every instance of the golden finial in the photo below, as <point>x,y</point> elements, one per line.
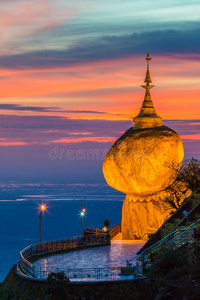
<point>148,77</point>
<point>148,58</point>
<point>147,117</point>
<point>147,86</point>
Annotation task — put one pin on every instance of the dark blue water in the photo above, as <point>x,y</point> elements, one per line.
<point>19,214</point>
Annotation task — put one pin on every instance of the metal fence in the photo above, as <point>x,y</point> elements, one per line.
<point>175,239</point>
<point>25,266</point>
<point>74,242</point>
<point>93,274</point>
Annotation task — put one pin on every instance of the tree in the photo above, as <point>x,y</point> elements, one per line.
<point>57,285</point>
<point>176,194</point>
<point>106,223</point>
<point>188,173</point>
<point>186,182</point>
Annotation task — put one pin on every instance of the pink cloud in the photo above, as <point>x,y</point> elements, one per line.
<point>20,20</point>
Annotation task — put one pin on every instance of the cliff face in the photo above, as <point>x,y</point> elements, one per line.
<point>19,288</point>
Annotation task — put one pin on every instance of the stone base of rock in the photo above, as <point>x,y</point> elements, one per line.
<point>142,216</point>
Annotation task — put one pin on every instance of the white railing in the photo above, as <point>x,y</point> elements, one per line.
<point>176,238</point>
<point>54,246</point>
<point>93,274</point>
<point>27,267</point>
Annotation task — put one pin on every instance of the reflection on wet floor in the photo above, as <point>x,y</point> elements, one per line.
<point>114,255</point>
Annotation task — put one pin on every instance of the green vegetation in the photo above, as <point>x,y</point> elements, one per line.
<point>177,269</point>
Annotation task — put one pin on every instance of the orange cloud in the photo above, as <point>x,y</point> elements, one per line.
<point>191,137</point>
<point>85,139</point>
<point>80,133</point>
<point>112,86</point>
<point>13,143</point>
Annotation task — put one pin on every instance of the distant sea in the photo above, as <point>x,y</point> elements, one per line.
<point>19,214</point>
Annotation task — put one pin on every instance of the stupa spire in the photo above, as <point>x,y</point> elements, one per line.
<point>147,117</point>
<point>148,77</point>
<point>148,86</point>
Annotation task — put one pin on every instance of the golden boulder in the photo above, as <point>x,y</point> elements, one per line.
<point>138,163</point>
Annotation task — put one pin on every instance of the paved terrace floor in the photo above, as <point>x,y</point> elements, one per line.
<point>114,255</point>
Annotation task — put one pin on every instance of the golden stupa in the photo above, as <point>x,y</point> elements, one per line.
<point>147,116</point>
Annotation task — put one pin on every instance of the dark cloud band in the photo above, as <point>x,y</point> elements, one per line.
<point>17,107</point>
<point>157,42</point>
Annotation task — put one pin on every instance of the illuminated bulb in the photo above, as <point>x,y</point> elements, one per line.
<point>42,207</point>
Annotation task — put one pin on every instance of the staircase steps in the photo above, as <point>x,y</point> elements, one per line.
<point>117,237</point>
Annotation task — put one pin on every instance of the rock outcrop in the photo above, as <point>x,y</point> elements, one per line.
<point>142,216</point>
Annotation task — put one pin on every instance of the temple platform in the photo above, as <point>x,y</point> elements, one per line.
<point>111,256</point>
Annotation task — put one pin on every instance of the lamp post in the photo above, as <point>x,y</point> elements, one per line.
<point>82,215</point>
<point>42,209</point>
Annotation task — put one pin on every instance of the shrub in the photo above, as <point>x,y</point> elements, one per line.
<point>106,223</point>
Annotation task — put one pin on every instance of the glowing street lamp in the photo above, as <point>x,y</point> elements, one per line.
<point>42,209</point>
<point>82,215</point>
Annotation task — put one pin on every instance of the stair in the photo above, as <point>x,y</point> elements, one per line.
<point>114,231</point>
<point>117,237</point>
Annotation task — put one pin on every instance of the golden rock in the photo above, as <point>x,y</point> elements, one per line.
<point>138,162</point>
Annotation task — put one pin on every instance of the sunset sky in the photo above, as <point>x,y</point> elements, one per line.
<point>70,76</point>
